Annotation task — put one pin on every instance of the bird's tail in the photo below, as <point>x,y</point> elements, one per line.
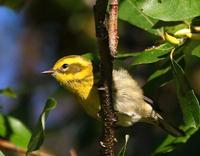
<point>176,132</point>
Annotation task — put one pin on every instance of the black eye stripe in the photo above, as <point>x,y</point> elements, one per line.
<point>71,68</point>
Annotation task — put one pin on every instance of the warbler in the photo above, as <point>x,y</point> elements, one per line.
<point>75,73</point>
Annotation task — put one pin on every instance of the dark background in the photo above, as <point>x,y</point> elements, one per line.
<point>34,36</point>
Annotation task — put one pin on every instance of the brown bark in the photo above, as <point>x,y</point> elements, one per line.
<point>107,37</point>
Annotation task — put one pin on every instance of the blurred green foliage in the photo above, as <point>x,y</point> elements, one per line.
<point>8,92</point>
<point>1,154</point>
<point>14,130</point>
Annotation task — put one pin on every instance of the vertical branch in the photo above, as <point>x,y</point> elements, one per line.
<point>113,27</point>
<point>107,37</point>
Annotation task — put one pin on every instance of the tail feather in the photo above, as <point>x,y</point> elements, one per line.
<point>176,132</point>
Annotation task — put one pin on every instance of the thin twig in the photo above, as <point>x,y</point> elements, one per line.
<point>107,49</point>
<point>113,27</point>
<point>6,145</point>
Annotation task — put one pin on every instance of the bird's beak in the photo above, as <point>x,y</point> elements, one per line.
<point>51,71</point>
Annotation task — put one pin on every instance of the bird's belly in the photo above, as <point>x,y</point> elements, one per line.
<point>92,107</point>
<point>124,105</point>
<point>126,120</point>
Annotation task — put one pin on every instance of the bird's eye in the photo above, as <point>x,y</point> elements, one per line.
<point>64,66</point>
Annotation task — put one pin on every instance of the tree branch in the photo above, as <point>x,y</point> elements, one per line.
<point>113,27</point>
<point>107,37</point>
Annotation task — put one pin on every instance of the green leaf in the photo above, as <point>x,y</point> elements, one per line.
<point>133,15</point>
<point>8,92</point>
<point>20,134</point>
<point>196,48</point>
<point>38,134</point>
<point>188,101</point>
<point>2,126</point>
<point>192,47</point>
<point>124,147</point>
<point>190,109</point>
<point>150,55</point>
<point>158,78</point>
<point>91,57</point>
<point>158,73</point>
<point>169,10</point>
<point>14,130</point>
<point>1,153</point>
<point>170,143</point>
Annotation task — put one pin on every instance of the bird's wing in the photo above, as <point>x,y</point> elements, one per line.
<point>148,100</point>
<point>154,105</point>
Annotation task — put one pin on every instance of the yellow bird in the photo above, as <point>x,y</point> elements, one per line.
<point>75,73</point>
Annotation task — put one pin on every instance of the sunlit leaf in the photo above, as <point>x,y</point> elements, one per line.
<point>20,134</point>
<point>133,15</point>
<point>14,130</point>
<point>169,10</point>
<point>1,153</point>
<point>8,92</point>
<point>38,134</point>
<point>150,55</point>
<point>124,147</point>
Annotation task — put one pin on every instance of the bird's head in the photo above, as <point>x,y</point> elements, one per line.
<point>71,71</point>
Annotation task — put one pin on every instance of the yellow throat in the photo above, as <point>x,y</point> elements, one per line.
<point>75,73</point>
